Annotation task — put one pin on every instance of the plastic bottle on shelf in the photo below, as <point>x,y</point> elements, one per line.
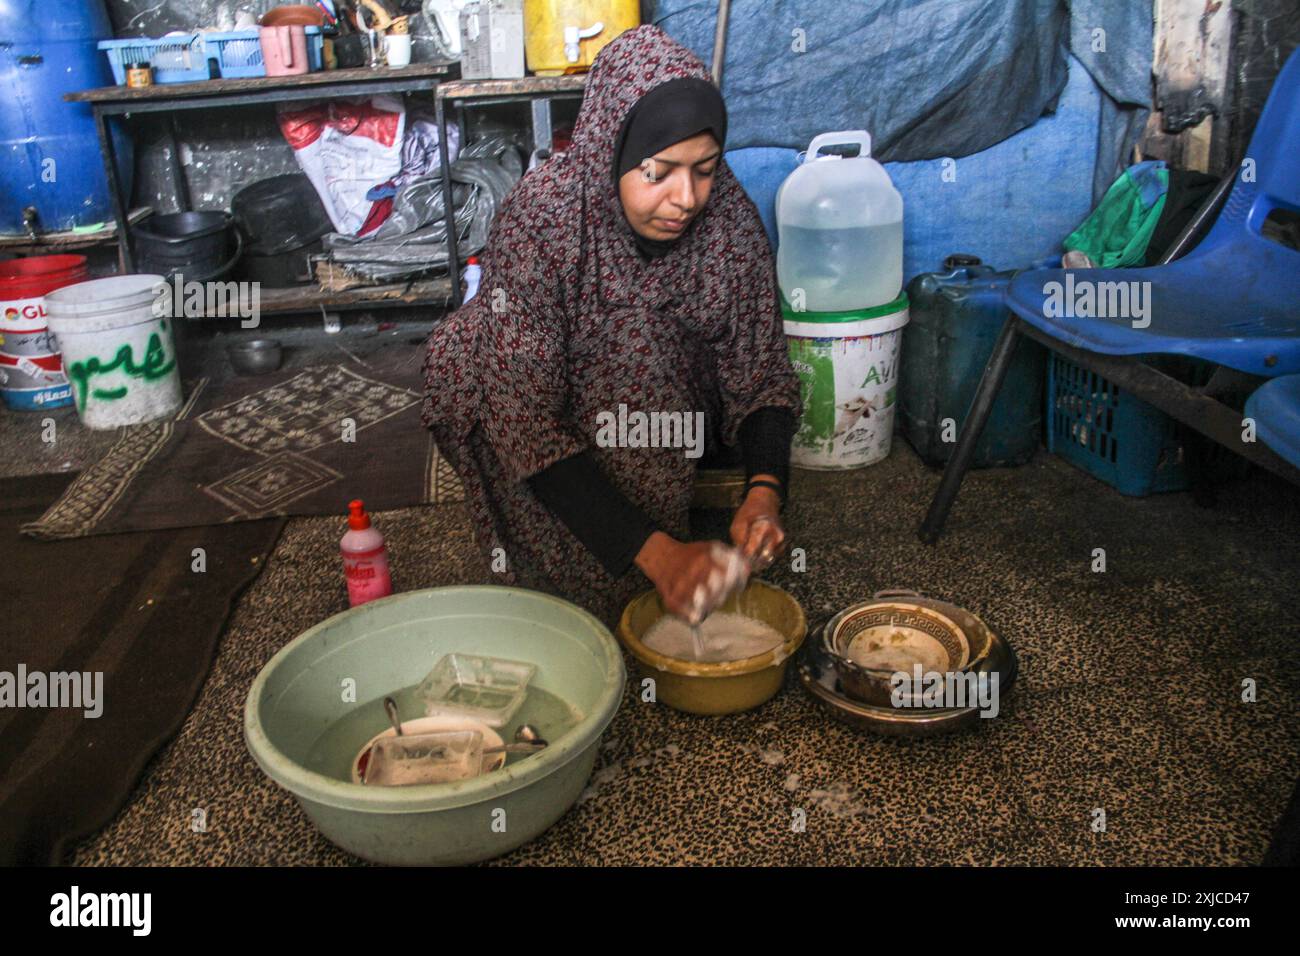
<point>473,273</point>
<point>365,558</point>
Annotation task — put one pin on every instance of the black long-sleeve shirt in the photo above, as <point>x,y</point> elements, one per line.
<point>612,527</point>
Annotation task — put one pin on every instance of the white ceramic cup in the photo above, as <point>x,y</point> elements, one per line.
<point>397,48</point>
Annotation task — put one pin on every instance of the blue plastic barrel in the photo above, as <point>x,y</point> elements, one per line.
<point>51,158</point>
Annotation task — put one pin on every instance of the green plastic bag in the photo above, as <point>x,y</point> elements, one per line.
<point>1118,231</point>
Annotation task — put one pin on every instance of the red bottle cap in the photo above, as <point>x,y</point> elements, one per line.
<point>358,520</point>
<point>472,261</point>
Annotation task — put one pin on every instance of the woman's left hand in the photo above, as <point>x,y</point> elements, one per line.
<point>756,529</point>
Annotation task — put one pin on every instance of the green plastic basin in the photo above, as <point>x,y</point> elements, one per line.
<point>356,658</point>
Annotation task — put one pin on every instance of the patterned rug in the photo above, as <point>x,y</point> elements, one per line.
<point>299,442</point>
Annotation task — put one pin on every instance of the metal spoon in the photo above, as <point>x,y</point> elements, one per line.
<point>698,643</point>
<point>390,708</point>
<point>524,748</point>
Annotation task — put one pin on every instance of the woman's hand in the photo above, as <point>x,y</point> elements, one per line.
<point>756,529</point>
<point>688,576</point>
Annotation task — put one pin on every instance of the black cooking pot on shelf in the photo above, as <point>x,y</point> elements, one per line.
<point>282,221</point>
<point>351,50</point>
<point>280,214</point>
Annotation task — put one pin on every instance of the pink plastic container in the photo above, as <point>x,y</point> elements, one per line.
<point>284,49</point>
<point>365,558</point>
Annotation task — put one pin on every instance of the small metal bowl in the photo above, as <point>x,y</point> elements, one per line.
<point>869,643</point>
<point>256,357</point>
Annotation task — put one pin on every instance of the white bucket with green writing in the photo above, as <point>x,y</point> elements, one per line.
<point>118,351</point>
<point>847,364</point>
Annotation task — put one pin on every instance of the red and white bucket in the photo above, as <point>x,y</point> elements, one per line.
<point>31,368</point>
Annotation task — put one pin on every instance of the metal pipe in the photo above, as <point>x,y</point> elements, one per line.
<point>720,41</point>
<point>448,204</point>
<point>980,408</point>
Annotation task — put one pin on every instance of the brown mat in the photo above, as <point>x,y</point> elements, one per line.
<point>136,609</point>
<point>298,442</point>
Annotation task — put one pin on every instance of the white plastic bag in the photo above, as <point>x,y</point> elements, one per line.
<point>346,147</point>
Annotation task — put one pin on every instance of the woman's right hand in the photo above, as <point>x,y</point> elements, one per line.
<point>678,570</point>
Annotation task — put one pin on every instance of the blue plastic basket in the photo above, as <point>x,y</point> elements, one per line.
<point>1093,424</point>
<point>178,59</point>
<point>239,52</point>
<point>184,59</point>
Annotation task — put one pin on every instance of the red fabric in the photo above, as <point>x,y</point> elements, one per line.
<point>304,126</point>
<point>379,212</point>
<point>570,321</point>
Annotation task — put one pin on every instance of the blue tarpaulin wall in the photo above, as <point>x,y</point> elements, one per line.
<point>1006,119</point>
<point>927,78</point>
<point>1011,204</point>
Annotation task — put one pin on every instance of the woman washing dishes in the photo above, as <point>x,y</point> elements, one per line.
<point>628,274</point>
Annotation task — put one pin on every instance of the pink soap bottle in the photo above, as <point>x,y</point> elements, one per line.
<point>365,558</point>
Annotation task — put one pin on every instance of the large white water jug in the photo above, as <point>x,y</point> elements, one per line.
<point>840,229</point>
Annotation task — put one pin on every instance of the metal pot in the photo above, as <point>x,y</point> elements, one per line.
<point>901,628</point>
<point>257,357</point>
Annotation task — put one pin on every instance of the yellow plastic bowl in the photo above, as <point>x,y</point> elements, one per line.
<point>730,687</point>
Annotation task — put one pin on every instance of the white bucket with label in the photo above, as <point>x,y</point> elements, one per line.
<point>118,349</point>
<point>847,364</point>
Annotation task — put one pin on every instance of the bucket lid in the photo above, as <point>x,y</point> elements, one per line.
<point>40,266</point>
<point>852,315</point>
<point>101,296</point>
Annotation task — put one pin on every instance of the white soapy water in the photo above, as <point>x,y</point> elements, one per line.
<point>725,637</point>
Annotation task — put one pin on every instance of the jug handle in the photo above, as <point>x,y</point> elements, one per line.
<point>286,45</point>
<point>859,136</point>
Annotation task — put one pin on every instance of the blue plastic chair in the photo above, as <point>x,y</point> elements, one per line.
<point>1275,407</point>
<point>1234,300</point>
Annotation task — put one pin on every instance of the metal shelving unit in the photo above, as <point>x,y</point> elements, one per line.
<point>419,78</point>
<point>536,90</point>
